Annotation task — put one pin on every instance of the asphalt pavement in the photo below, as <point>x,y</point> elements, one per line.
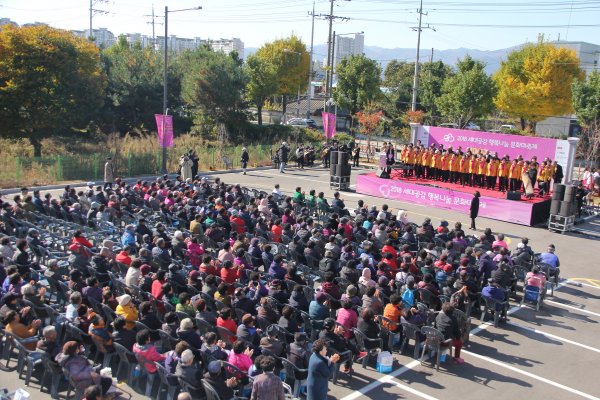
<point>549,354</point>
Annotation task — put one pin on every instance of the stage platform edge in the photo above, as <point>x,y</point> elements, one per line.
<point>518,212</point>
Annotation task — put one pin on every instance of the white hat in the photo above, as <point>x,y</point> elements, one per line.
<point>243,148</point>
<point>124,300</point>
<point>284,143</point>
<point>90,184</point>
<point>204,178</point>
<point>521,245</point>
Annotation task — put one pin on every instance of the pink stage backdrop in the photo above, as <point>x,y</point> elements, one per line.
<point>489,207</point>
<point>513,145</point>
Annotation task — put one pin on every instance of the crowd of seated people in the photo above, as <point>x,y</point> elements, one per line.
<point>234,275</point>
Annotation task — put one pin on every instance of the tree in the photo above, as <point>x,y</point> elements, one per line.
<point>292,66</point>
<point>468,94</point>
<point>586,104</point>
<point>431,81</point>
<point>50,80</point>
<point>262,82</point>
<point>369,122</point>
<point>534,82</point>
<point>214,84</point>
<point>359,80</point>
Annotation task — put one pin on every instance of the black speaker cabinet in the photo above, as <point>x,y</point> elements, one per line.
<point>510,195</point>
<point>559,188</point>
<point>570,189</point>
<point>565,209</point>
<point>332,169</point>
<point>382,173</point>
<point>555,207</point>
<point>342,158</point>
<point>334,157</point>
<point>570,197</point>
<point>346,170</point>
<point>560,196</point>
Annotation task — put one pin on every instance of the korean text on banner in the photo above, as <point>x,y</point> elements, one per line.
<point>168,134</point>
<point>329,125</point>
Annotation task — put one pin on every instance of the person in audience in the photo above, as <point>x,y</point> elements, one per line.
<point>223,387</point>
<point>214,347</point>
<point>48,346</point>
<point>171,324</point>
<point>348,318</point>
<point>267,386</point>
<point>127,310</point>
<point>393,312</point>
<point>144,348</point>
<point>371,301</point>
<point>83,373</point>
<point>368,324</point>
<point>267,311</point>
<point>98,330</point>
<point>248,333</point>
<point>122,335</point>
<point>83,319</point>
<point>16,326</point>
<point>188,370</point>
<point>240,357</point>
<point>448,325</point>
<point>173,358</point>
<point>333,335</point>
<point>188,333</point>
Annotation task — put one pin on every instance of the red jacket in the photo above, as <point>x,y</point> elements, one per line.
<point>390,249</point>
<point>240,222</point>
<point>124,258</point>
<point>210,270</point>
<point>83,241</point>
<point>230,276</point>
<point>156,292</point>
<point>277,231</point>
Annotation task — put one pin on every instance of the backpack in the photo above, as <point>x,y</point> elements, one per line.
<point>409,296</point>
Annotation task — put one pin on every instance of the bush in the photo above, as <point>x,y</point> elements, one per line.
<point>516,132</point>
<point>343,137</point>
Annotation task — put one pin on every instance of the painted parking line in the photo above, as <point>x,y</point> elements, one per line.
<point>530,375</point>
<point>574,308</point>
<point>553,336</point>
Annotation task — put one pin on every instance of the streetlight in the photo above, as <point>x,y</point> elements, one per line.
<point>165,109</point>
<point>298,102</point>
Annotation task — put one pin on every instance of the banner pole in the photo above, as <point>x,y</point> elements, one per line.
<point>18,169</point>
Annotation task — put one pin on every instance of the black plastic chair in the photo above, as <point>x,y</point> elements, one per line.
<point>142,361</point>
<point>387,333</point>
<point>125,358</point>
<point>78,392</point>
<point>362,340</point>
<point>56,372</point>
<point>197,393</point>
<point>433,342</point>
<point>168,341</point>
<point>107,357</point>
<point>296,374</point>
<point>411,332</point>
<point>164,376</point>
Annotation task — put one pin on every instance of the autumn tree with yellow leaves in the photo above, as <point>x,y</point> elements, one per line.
<point>534,81</point>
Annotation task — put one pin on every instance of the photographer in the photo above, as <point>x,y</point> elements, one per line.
<point>244,159</point>
<point>283,156</point>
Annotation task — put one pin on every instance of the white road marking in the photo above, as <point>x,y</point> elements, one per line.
<point>529,374</point>
<point>554,336</point>
<point>574,308</point>
<point>413,391</point>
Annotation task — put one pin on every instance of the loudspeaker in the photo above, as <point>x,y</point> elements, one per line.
<point>510,195</point>
<point>334,157</point>
<point>332,169</point>
<point>555,207</point>
<point>570,189</point>
<point>559,188</point>
<point>346,169</point>
<point>570,197</point>
<point>342,158</point>
<point>382,173</point>
<point>565,209</point>
<point>560,196</point>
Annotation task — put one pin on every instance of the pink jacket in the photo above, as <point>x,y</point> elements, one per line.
<point>196,250</point>
<point>242,361</point>
<point>349,319</point>
<point>151,354</point>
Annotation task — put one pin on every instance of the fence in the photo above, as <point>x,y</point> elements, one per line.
<point>91,166</point>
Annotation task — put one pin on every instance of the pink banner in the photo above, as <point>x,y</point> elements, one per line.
<point>168,137</point>
<point>489,207</point>
<point>328,124</point>
<point>513,145</point>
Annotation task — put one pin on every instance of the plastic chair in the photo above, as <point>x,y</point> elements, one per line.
<point>78,392</point>
<point>205,327</point>
<point>164,376</point>
<point>433,342</point>
<point>386,333</point>
<point>125,357</point>
<point>80,336</point>
<point>206,359</point>
<point>362,340</point>
<point>211,393</point>
<point>308,324</point>
<point>297,375</point>
<point>345,357</point>
<point>489,305</point>
<point>427,298</point>
<point>107,357</point>
<point>29,358</point>
<point>197,393</point>
<point>463,320</point>
<point>56,372</point>
<point>410,332</point>
<point>227,336</point>
<point>168,341</point>
<point>142,361</point>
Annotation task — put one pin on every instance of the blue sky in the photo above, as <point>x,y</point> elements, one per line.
<point>386,23</point>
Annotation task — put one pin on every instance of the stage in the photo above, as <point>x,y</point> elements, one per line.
<point>492,203</point>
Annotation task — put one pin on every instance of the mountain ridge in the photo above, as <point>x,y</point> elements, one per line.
<point>384,55</point>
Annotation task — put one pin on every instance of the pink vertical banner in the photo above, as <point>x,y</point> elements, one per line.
<point>168,134</point>
<point>328,124</point>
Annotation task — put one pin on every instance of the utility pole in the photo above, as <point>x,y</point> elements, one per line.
<point>164,152</point>
<point>153,23</point>
<point>93,12</point>
<point>329,49</point>
<point>310,66</point>
<point>416,78</point>
<point>91,15</point>
<point>414,96</point>
<point>431,58</point>
<point>331,70</point>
